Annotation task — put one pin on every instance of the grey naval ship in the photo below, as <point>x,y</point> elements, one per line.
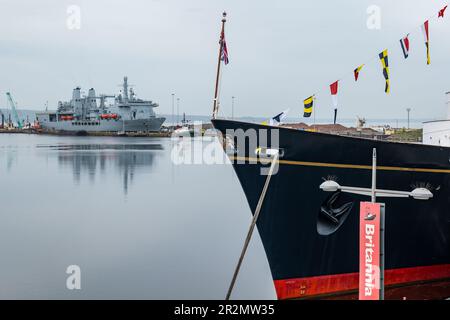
<point>92,114</point>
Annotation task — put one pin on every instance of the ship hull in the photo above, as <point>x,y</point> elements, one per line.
<point>305,260</point>
<point>111,125</point>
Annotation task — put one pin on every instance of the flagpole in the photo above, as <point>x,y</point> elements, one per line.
<point>215,106</point>
<point>314,110</point>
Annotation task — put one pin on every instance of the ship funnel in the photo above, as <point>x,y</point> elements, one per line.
<point>76,93</point>
<point>448,105</point>
<point>91,92</point>
<point>76,103</point>
<point>92,99</point>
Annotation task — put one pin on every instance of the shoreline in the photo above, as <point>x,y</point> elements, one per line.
<point>94,134</point>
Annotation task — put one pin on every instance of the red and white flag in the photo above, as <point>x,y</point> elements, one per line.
<point>426,35</point>
<point>441,12</point>
<point>404,42</point>
<point>334,92</point>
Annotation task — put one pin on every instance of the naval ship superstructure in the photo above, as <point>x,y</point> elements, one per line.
<point>92,114</point>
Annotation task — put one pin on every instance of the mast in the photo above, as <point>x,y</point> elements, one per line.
<point>125,89</point>
<point>448,104</point>
<point>216,106</point>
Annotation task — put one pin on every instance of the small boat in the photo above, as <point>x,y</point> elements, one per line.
<point>183,131</point>
<point>210,133</point>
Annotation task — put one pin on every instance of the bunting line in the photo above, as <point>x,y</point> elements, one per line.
<point>308,106</point>
<point>404,42</point>
<point>356,72</point>
<point>426,36</point>
<point>385,63</point>
<point>384,59</point>
<point>441,12</point>
<point>334,91</point>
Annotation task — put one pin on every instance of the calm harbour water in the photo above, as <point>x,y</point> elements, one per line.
<point>138,225</point>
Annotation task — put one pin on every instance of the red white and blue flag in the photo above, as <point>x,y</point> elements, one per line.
<point>224,53</point>
<point>404,42</point>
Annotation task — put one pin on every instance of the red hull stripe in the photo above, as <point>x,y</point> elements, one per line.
<point>330,284</point>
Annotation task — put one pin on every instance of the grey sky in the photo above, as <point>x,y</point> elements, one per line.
<point>280,51</point>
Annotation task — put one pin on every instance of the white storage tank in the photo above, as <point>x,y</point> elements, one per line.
<point>437,132</point>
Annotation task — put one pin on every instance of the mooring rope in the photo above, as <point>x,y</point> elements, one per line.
<point>252,225</point>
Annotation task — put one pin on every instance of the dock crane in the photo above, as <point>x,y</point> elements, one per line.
<point>14,110</point>
<point>102,98</point>
<point>2,121</point>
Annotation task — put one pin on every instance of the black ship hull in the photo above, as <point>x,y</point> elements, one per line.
<point>311,256</point>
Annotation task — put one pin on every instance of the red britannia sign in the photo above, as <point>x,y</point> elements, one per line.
<point>369,251</point>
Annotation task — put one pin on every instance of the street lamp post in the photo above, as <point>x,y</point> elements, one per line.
<point>178,110</point>
<point>173,109</point>
<point>408,110</point>
<point>373,192</point>
<point>232,107</point>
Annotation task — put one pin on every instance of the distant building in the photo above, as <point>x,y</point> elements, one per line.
<point>437,132</point>
<point>338,129</point>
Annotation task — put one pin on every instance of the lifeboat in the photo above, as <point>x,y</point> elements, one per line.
<point>36,125</point>
<point>66,118</point>
<point>109,116</point>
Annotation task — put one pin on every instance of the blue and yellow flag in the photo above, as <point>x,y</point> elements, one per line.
<point>385,63</point>
<point>308,109</point>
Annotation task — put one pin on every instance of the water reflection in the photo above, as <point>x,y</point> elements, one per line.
<point>8,153</point>
<point>11,157</point>
<point>96,147</point>
<point>93,159</point>
<point>166,239</point>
